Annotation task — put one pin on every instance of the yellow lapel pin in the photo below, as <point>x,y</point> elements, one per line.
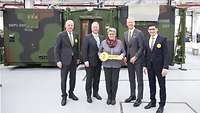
<point>158,45</point>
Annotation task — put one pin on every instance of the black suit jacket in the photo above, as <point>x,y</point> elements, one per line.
<point>63,49</point>
<point>90,49</point>
<point>135,46</point>
<point>158,56</point>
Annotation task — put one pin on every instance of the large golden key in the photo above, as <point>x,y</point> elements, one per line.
<point>105,56</point>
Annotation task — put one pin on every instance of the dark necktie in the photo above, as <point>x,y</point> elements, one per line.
<point>129,36</point>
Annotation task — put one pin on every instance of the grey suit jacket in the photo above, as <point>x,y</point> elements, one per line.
<point>135,46</point>
<point>90,49</point>
<point>63,49</point>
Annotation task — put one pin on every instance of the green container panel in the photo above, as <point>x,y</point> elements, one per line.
<point>29,35</point>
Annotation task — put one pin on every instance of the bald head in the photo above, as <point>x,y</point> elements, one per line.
<point>69,25</point>
<point>95,27</point>
<point>130,23</point>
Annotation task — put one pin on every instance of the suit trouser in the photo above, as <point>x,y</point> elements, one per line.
<point>72,77</point>
<point>152,74</point>
<point>92,79</point>
<point>136,70</point>
<point>112,78</point>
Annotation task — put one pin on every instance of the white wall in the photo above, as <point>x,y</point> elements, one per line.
<point>196,25</point>
<point>141,12</point>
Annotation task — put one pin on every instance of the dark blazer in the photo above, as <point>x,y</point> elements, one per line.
<point>159,55</point>
<point>90,49</point>
<point>63,49</point>
<point>135,46</point>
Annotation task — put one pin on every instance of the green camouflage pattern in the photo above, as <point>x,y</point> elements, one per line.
<point>29,35</point>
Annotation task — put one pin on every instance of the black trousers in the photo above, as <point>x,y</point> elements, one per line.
<point>112,78</point>
<point>136,70</point>
<point>72,77</point>
<point>152,74</point>
<point>92,79</point>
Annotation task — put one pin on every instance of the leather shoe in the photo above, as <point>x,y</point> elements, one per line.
<point>113,102</point>
<point>129,99</point>
<point>97,96</point>
<point>63,101</point>
<point>160,110</point>
<point>150,105</point>
<point>108,101</point>
<point>137,103</point>
<point>89,100</point>
<point>73,97</point>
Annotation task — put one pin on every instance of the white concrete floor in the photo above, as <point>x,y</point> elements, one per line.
<point>37,90</point>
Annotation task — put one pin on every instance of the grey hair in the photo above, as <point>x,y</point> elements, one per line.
<point>69,21</point>
<point>111,29</point>
<point>95,23</point>
<point>130,18</point>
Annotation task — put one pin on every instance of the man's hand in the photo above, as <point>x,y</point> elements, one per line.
<point>121,56</point>
<point>86,64</point>
<point>133,59</point>
<point>145,70</point>
<point>164,72</point>
<point>125,60</point>
<point>59,64</point>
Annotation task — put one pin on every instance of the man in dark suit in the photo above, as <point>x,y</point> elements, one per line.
<point>67,57</point>
<point>90,48</point>
<point>156,65</point>
<point>134,46</point>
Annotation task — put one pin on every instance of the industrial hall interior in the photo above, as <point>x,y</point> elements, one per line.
<point>99,56</point>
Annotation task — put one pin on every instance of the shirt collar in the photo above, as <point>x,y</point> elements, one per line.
<point>69,33</point>
<point>155,36</point>
<point>95,35</point>
<point>132,29</point>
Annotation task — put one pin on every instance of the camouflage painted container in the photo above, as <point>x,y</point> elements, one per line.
<point>29,35</point>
